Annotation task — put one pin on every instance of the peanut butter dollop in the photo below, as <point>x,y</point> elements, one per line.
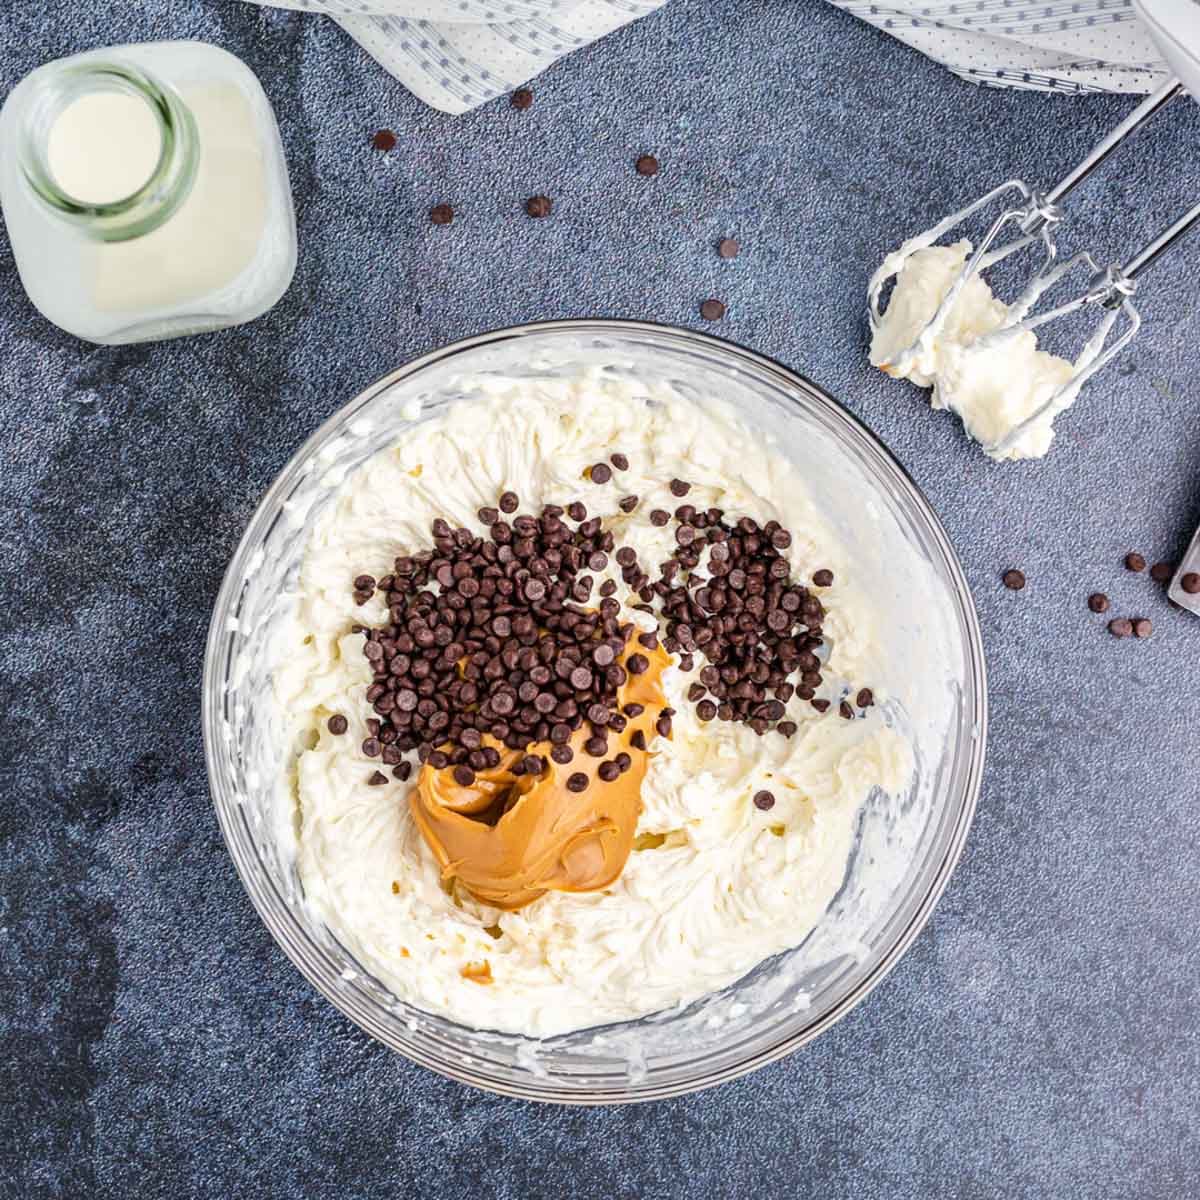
<point>509,839</point>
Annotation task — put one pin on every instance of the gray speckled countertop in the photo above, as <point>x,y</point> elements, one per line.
<point>1040,1039</point>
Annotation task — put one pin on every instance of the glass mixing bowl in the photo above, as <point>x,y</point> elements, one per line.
<point>905,848</point>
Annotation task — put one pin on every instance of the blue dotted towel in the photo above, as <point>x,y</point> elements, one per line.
<point>1056,46</point>
<point>456,54</point>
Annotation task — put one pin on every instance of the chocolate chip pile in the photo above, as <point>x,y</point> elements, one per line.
<point>505,645</point>
<point>500,635</point>
<point>757,628</point>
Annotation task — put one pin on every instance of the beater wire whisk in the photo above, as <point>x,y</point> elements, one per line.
<point>1036,218</point>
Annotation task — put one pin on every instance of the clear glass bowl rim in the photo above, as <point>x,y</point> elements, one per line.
<point>277,915</point>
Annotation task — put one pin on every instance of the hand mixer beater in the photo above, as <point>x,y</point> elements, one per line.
<point>1033,219</point>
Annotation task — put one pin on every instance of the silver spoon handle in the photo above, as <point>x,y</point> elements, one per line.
<point>1140,115</point>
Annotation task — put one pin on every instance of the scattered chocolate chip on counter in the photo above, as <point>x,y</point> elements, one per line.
<point>728,248</point>
<point>1161,572</point>
<point>337,724</point>
<point>600,473</point>
<point>712,310</point>
<point>1191,583</point>
<point>823,578</point>
<point>647,165</point>
<point>1098,602</point>
<point>441,214</point>
<point>377,778</point>
<point>1120,627</point>
<point>1014,580</point>
<point>522,98</point>
<point>764,800</point>
<point>865,698</point>
<point>384,140</point>
<point>846,711</point>
<point>619,460</point>
<point>539,206</point>
<point>1142,627</point>
<point>1134,562</point>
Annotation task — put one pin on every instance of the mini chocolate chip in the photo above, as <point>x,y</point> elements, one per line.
<point>712,310</point>
<point>522,98</point>
<point>377,777</point>
<point>1191,583</point>
<point>488,516</point>
<point>633,709</point>
<point>865,698</point>
<point>371,747</point>
<point>441,214</point>
<point>600,473</point>
<point>659,516</point>
<point>820,705</point>
<point>706,710</point>
<point>403,771</point>
<point>562,754</point>
<point>728,248</point>
<point>384,140</point>
<point>823,578</point>
<point>534,764</point>
<point>463,775</point>
<point>638,740</point>
<point>581,679</point>
<point>1014,580</point>
<point>787,728</point>
<point>1142,627</point>
<point>1120,627</point>
<point>1162,571</point>
<point>539,206</point>
<point>509,503</point>
<point>608,771</point>
<point>679,488</point>
<point>1134,562</point>
<point>647,165</point>
<point>627,503</point>
<point>846,710</point>
<point>663,726</point>
<point>636,664</point>
<point>364,583</point>
<point>1098,602</point>
<point>764,800</point>
<point>596,746</point>
<point>619,460</point>
<point>338,724</point>
<point>577,782</point>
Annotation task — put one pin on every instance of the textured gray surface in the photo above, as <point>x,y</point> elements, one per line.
<point>1039,1039</point>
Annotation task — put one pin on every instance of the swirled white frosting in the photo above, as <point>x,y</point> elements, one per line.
<point>719,885</point>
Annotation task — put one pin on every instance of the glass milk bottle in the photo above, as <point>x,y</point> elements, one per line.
<point>145,192</point>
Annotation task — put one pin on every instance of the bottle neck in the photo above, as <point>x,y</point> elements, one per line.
<point>155,200</point>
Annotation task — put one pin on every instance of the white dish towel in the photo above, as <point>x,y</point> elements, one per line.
<point>457,54</point>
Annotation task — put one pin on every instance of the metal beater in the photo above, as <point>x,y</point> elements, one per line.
<point>1033,217</point>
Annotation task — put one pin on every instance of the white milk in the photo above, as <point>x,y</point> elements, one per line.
<point>104,146</point>
<point>145,192</point>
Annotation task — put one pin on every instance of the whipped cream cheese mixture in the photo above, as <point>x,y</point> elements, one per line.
<point>714,884</point>
<point>992,390</point>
